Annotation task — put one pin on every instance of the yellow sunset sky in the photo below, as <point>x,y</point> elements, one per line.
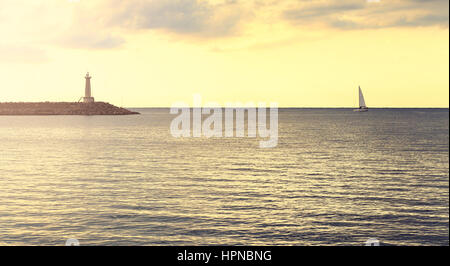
<point>152,53</point>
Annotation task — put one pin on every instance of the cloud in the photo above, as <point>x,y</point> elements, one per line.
<point>103,24</point>
<point>106,24</point>
<point>225,18</point>
<point>428,20</point>
<point>363,14</point>
<point>185,17</point>
<point>322,9</point>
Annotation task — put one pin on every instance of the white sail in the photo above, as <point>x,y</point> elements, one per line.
<point>362,103</point>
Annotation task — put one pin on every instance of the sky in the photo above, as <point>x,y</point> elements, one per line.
<point>153,53</point>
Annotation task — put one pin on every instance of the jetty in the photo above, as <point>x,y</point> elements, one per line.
<point>63,108</point>
<point>85,106</point>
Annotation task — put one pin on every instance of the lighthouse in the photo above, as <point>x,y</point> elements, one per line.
<point>87,91</point>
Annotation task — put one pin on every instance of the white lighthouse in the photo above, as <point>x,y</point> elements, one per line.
<point>87,91</point>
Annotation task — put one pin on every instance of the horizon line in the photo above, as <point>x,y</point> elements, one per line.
<point>291,107</point>
<point>280,107</point>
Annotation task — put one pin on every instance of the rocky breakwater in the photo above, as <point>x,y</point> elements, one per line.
<point>63,108</point>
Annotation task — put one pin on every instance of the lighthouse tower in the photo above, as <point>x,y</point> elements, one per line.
<point>87,91</point>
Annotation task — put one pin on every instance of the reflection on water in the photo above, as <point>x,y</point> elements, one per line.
<point>336,178</point>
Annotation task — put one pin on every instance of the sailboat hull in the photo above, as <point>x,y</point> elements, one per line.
<point>361,110</point>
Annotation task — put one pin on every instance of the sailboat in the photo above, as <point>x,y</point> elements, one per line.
<point>362,103</point>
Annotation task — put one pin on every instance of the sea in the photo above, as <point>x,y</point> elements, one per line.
<point>336,178</point>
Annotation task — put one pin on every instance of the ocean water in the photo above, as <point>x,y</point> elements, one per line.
<point>335,178</point>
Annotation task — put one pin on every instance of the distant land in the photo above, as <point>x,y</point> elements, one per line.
<point>62,108</point>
